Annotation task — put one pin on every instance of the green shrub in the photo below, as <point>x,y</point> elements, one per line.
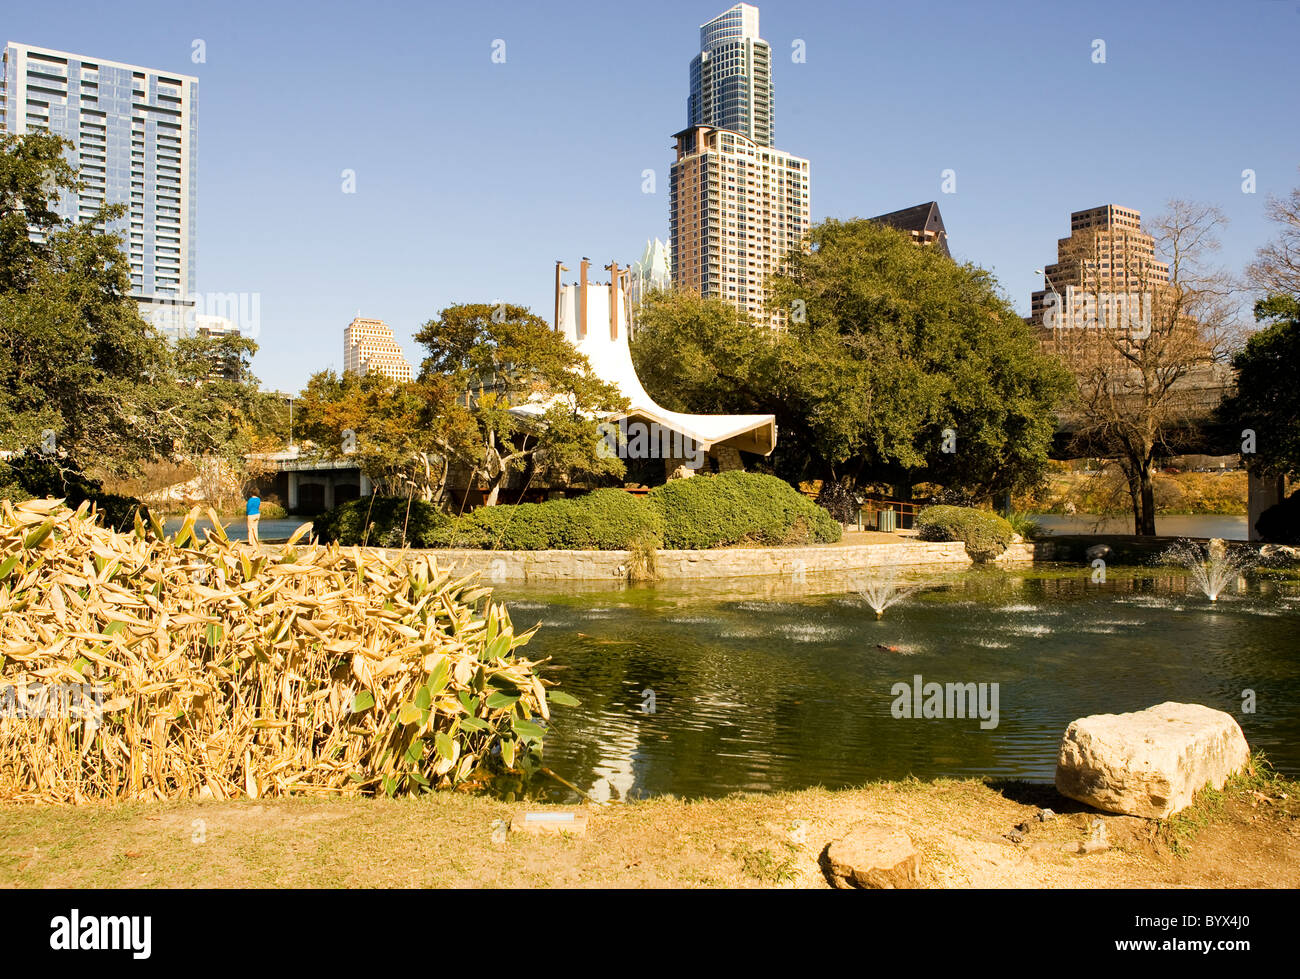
<point>739,508</point>
<point>272,511</point>
<point>839,501</point>
<point>379,521</point>
<point>1024,525</point>
<point>1280,523</point>
<point>606,520</point>
<point>985,534</point>
<point>701,512</point>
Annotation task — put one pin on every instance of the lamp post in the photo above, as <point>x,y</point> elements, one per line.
<point>1060,302</point>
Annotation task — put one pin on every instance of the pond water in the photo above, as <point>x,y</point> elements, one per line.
<point>1227,526</point>
<point>763,686</point>
<point>237,529</point>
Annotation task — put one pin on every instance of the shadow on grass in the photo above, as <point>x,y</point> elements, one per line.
<point>1040,794</point>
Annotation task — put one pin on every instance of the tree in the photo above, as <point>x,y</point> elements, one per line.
<point>219,414</point>
<point>893,354</point>
<point>76,359</point>
<point>33,171</point>
<point>1266,402</point>
<point>703,355</point>
<point>1277,267</point>
<point>501,358</point>
<point>400,434</point>
<point>1141,370</point>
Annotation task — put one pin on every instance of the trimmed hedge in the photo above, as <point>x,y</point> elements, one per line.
<point>1280,523</point>
<point>383,518</point>
<point>606,520</point>
<point>985,534</point>
<point>700,512</point>
<point>739,508</point>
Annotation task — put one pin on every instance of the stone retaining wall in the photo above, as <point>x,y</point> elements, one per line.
<point>722,562</point>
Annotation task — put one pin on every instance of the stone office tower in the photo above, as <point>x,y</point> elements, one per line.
<point>370,347</point>
<point>1107,256</point>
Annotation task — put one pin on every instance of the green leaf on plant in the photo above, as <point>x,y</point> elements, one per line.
<point>443,745</point>
<point>362,702</point>
<point>527,730</point>
<point>501,701</point>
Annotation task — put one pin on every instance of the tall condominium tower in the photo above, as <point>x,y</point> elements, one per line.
<point>736,209</point>
<point>370,347</point>
<point>133,136</point>
<point>731,77</point>
<point>1101,270</point>
<point>737,205</point>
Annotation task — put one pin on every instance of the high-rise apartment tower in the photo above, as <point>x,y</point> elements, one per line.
<point>133,133</point>
<point>731,77</point>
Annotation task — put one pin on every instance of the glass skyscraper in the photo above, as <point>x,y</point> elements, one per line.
<point>133,135</point>
<point>731,77</point>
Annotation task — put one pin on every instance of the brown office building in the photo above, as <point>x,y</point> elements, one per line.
<point>1106,263</point>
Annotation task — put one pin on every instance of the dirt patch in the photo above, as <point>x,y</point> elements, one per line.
<point>969,833</point>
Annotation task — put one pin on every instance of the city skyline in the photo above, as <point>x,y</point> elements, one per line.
<point>479,219</point>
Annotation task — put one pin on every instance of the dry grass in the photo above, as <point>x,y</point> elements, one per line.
<point>224,670</point>
<point>446,839</point>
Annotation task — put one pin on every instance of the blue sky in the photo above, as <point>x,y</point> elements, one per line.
<point>472,177</point>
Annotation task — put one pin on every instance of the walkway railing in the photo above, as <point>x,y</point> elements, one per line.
<point>905,512</point>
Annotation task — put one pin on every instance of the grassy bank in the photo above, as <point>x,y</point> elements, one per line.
<point>1245,836</point>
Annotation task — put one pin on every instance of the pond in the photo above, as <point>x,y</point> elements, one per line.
<point>268,531</point>
<point>1227,526</point>
<point>706,689</point>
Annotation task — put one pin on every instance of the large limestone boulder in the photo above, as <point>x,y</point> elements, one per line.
<point>1149,763</point>
<point>875,857</point>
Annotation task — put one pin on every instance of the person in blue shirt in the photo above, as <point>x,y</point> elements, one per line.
<point>254,512</point>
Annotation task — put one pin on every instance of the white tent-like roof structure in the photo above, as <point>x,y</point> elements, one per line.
<point>593,317</point>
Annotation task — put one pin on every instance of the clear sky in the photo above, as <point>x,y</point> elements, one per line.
<point>472,177</point>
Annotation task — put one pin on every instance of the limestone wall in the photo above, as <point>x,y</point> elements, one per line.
<point>723,562</point>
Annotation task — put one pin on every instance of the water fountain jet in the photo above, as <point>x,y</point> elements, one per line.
<point>1213,567</point>
<point>881,588</point>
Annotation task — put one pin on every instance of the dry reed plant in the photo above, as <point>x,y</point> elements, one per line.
<point>225,669</point>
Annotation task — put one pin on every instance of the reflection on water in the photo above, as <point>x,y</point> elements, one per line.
<point>770,685</point>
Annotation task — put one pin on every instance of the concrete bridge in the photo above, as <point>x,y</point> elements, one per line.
<point>309,486</point>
